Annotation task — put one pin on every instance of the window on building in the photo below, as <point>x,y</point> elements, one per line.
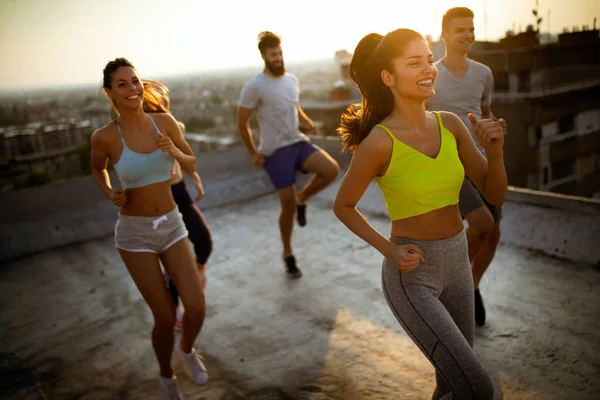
<point>534,135</point>
<point>588,121</point>
<point>524,81</point>
<point>566,124</point>
<point>546,176</point>
<point>564,169</point>
<point>501,81</point>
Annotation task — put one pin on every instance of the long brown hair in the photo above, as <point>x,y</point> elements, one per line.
<point>373,54</point>
<point>156,97</point>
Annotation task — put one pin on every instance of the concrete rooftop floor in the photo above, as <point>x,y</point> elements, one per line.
<point>73,325</point>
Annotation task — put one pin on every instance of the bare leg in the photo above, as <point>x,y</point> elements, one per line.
<point>480,224</point>
<point>486,253</point>
<point>145,270</point>
<point>181,267</point>
<point>287,200</point>
<point>325,170</point>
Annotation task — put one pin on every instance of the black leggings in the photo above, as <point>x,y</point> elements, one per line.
<point>199,233</point>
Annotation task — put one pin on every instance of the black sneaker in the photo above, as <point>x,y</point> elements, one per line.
<point>479,309</point>
<point>291,268</point>
<point>301,214</point>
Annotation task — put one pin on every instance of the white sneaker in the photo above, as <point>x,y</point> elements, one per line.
<point>168,388</point>
<point>192,363</point>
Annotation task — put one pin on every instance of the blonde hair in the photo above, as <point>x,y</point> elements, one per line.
<point>156,97</point>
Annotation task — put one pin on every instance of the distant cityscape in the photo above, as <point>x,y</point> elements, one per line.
<point>546,87</point>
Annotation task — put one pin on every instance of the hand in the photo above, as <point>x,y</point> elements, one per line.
<point>312,129</point>
<point>199,189</point>
<point>118,197</point>
<point>489,132</point>
<point>503,124</point>
<point>407,257</point>
<point>258,159</point>
<point>165,144</point>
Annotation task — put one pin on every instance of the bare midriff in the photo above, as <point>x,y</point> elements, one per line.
<point>149,201</point>
<point>435,225</point>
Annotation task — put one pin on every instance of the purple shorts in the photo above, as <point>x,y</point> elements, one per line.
<point>282,164</point>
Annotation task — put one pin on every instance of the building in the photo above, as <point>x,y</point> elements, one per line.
<point>550,97</point>
<point>51,150</point>
<point>341,94</point>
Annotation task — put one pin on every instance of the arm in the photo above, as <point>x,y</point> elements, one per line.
<point>176,146</point>
<point>486,102</point>
<point>243,124</point>
<point>98,161</point>
<point>489,176</point>
<point>367,162</point>
<point>305,122</point>
<point>196,180</point>
<point>486,96</point>
<point>249,100</point>
<point>486,112</point>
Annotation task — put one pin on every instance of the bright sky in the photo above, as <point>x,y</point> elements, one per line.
<point>55,42</point>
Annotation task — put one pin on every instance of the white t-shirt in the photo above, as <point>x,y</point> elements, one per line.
<point>463,96</point>
<point>275,101</point>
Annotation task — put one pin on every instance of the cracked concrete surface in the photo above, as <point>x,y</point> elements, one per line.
<point>73,325</point>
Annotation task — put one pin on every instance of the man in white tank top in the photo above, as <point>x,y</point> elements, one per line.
<point>465,86</point>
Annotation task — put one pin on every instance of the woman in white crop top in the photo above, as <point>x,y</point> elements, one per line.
<point>150,229</point>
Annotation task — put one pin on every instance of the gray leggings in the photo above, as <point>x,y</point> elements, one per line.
<point>434,305</point>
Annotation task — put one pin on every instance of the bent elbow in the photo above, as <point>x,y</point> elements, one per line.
<point>341,210</point>
<point>338,209</point>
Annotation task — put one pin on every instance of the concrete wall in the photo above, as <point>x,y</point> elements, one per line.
<point>41,218</point>
<point>38,219</point>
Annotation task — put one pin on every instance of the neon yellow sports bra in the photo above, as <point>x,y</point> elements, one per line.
<point>415,183</point>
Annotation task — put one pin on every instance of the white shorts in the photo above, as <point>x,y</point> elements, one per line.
<point>149,234</point>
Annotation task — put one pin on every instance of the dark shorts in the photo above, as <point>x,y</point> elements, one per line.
<point>282,164</point>
<point>470,199</point>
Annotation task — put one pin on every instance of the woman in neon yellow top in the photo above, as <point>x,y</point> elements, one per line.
<point>419,159</point>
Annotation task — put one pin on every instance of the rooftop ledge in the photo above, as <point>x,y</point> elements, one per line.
<point>42,218</point>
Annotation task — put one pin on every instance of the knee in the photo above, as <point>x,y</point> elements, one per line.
<point>288,207</point>
<point>195,311</point>
<point>484,229</point>
<point>165,320</point>
<point>493,236</point>
<point>332,171</point>
<point>479,233</point>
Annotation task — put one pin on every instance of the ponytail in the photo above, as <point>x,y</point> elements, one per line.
<point>358,119</point>
<point>156,97</point>
<point>373,54</point>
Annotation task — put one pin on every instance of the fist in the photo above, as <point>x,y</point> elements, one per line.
<point>489,132</point>
<point>199,189</point>
<point>407,257</point>
<point>258,159</point>
<point>118,197</point>
<point>165,144</point>
<point>503,124</point>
